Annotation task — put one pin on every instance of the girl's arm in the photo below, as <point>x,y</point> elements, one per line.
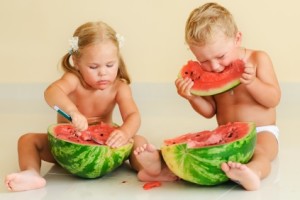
<point>58,94</point>
<point>130,116</point>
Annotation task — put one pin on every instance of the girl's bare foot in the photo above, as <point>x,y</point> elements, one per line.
<point>24,180</point>
<point>164,175</point>
<point>241,174</point>
<point>152,169</point>
<point>149,158</point>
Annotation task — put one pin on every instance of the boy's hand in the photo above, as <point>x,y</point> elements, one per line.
<point>249,74</point>
<point>79,121</point>
<point>184,87</point>
<point>117,138</point>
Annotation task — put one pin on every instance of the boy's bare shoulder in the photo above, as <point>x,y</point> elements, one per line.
<point>258,55</point>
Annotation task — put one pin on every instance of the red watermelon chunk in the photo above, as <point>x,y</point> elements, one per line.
<point>150,185</point>
<point>221,135</point>
<point>95,134</point>
<point>211,83</point>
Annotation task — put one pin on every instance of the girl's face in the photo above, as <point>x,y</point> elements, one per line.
<point>216,55</point>
<point>98,64</point>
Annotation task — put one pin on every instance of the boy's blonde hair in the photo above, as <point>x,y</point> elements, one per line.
<point>93,33</point>
<point>207,20</point>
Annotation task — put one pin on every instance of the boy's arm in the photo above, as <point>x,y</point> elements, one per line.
<point>261,81</point>
<point>205,106</point>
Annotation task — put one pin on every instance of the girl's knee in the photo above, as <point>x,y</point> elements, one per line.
<point>33,138</point>
<point>26,138</point>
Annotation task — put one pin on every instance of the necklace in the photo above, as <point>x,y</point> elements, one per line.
<point>231,91</point>
<point>245,52</point>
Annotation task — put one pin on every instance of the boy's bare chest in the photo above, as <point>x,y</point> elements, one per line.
<point>235,96</point>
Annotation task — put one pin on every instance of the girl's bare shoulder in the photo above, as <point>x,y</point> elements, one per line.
<point>122,88</point>
<point>68,82</point>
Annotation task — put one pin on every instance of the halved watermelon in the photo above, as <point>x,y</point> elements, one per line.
<point>197,157</point>
<point>211,83</point>
<point>83,157</point>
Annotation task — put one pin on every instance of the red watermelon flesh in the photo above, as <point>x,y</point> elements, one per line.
<point>221,135</point>
<point>211,83</point>
<point>95,134</point>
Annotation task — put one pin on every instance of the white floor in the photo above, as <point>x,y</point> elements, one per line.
<point>164,115</point>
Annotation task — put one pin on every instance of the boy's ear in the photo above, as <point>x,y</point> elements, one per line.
<point>238,38</point>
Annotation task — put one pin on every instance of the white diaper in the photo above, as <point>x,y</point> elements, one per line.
<point>270,128</point>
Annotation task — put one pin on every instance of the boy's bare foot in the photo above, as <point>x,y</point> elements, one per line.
<point>241,174</point>
<point>24,180</point>
<point>152,169</point>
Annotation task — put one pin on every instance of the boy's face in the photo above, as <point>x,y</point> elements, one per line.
<point>218,53</point>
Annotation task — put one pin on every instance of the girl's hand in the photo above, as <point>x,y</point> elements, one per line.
<point>184,87</point>
<point>249,74</point>
<point>117,138</point>
<point>79,121</point>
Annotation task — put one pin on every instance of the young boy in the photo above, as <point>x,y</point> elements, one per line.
<point>214,39</point>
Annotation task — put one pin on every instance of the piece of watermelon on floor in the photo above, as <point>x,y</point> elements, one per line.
<point>86,158</point>
<point>211,83</point>
<point>197,157</point>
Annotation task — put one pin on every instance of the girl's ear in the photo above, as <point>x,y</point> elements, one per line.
<point>74,62</point>
<point>238,38</point>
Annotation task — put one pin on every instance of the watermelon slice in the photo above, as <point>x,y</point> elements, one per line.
<point>211,83</point>
<point>197,157</point>
<point>82,156</point>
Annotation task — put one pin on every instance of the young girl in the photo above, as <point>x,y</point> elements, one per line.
<point>214,39</point>
<point>88,91</point>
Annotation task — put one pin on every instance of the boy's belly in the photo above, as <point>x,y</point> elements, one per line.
<point>258,114</point>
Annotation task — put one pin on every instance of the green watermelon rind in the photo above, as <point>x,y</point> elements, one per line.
<point>214,91</point>
<point>194,165</point>
<point>87,161</point>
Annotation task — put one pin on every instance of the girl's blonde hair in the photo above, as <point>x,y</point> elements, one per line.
<point>93,33</point>
<point>207,20</point>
